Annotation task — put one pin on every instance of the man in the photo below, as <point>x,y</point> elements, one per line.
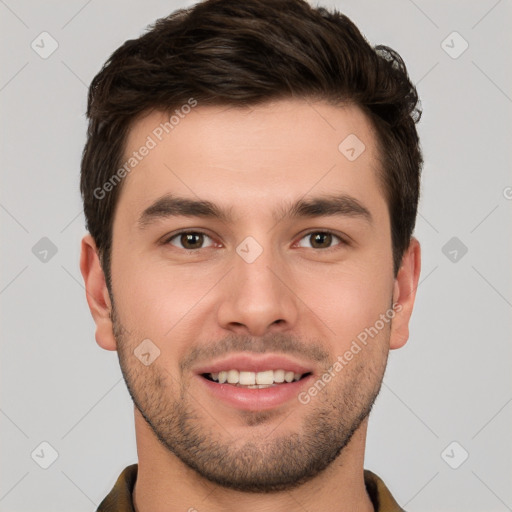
<point>250,183</point>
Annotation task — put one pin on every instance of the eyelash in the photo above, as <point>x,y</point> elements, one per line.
<point>342,240</point>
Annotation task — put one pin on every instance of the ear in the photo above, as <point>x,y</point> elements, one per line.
<point>404,293</point>
<point>97,293</point>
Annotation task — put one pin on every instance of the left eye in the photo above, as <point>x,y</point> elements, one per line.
<point>189,240</point>
<point>319,240</point>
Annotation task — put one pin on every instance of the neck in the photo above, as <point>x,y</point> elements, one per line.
<point>164,483</point>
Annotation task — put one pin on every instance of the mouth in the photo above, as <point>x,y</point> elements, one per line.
<point>255,380</point>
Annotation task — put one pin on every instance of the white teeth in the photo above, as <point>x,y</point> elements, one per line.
<point>255,379</point>
<point>279,376</point>
<point>233,376</point>
<point>266,377</point>
<point>247,378</point>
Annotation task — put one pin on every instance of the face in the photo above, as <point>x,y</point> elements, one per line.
<point>248,241</point>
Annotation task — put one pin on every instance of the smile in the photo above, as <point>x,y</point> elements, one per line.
<point>254,380</point>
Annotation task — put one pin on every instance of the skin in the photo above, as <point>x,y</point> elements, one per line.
<point>296,298</point>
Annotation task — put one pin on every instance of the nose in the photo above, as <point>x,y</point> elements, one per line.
<point>258,297</point>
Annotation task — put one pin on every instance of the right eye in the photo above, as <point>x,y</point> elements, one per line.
<point>189,240</point>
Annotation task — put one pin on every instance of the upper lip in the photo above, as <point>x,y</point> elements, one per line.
<point>254,363</point>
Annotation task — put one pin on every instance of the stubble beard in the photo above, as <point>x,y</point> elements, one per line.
<point>291,451</point>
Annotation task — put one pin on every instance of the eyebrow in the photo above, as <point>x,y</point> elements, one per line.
<point>326,205</point>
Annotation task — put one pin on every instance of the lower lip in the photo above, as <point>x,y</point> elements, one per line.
<point>256,399</point>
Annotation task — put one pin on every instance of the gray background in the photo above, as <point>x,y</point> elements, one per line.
<point>451,382</point>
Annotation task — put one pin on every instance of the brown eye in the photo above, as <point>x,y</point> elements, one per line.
<point>189,240</point>
<point>319,240</point>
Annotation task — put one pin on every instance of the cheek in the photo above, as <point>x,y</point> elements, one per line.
<point>154,298</point>
<point>349,300</point>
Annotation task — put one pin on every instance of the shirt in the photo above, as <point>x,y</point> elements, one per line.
<point>120,497</point>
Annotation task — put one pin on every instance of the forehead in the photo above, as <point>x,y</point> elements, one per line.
<point>240,156</point>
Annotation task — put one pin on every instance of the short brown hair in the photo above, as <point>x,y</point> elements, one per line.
<point>243,53</point>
